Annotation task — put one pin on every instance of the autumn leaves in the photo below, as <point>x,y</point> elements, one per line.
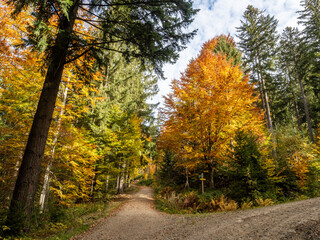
<point>210,102</point>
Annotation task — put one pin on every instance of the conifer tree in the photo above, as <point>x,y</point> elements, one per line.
<point>258,39</point>
<point>310,19</point>
<point>292,59</point>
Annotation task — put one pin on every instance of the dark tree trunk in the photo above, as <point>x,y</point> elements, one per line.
<point>22,202</point>
<point>211,180</point>
<point>306,110</point>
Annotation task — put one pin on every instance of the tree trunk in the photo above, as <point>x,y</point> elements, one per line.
<point>47,179</point>
<point>296,110</point>
<point>211,180</point>
<point>120,186</point>
<point>187,179</point>
<point>93,182</point>
<point>122,180</point>
<point>306,110</point>
<point>22,202</point>
<point>107,183</point>
<point>129,181</point>
<point>118,183</point>
<point>267,107</point>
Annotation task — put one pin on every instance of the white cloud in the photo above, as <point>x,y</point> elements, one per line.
<point>222,17</point>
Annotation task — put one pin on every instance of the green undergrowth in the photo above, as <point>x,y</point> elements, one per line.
<point>145,182</point>
<point>66,222</point>
<point>70,221</point>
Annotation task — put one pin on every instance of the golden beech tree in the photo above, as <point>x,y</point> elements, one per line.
<point>20,86</point>
<point>210,101</point>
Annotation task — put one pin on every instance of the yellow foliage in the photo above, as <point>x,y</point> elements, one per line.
<point>224,204</point>
<point>263,202</point>
<point>300,163</point>
<point>246,205</point>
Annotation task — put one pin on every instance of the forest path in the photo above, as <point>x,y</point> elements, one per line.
<point>137,219</point>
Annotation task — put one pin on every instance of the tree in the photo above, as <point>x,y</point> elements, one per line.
<point>153,28</point>
<point>292,60</point>
<point>209,103</point>
<point>310,19</point>
<point>20,85</point>
<point>249,178</point>
<point>257,35</point>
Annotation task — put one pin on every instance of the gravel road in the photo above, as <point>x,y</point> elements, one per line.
<point>137,219</point>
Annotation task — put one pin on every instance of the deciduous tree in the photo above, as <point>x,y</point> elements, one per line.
<point>210,101</point>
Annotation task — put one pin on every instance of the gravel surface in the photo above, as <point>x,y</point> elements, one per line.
<point>137,219</point>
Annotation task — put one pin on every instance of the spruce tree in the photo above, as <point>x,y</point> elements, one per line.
<point>258,39</point>
<point>293,65</point>
<point>310,19</point>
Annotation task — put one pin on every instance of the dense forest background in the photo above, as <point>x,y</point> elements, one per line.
<point>243,119</point>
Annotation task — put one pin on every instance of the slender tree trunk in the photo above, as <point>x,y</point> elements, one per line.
<point>129,181</point>
<point>117,183</point>
<point>267,107</point>
<point>125,185</point>
<point>47,179</point>
<point>306,110</point>
<point>122,179</point>
<point>296,111</point>
<point>120,189</point>
<point>187,179</point>
<point>262,97</point>
<point>211,180</point>
<point>22,202</point>
<point>107,183</point>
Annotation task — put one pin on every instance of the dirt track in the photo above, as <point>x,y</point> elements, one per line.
<point>137,219</point>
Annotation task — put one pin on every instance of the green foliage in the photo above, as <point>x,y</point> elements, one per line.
<point>150,32</point>
<point>248,178</point>
<point>310,19</point>
<point>64,223</point>
<point>227,46</point>
<point>145,182</point>
<point>294,160</point>
<point>170,173</point>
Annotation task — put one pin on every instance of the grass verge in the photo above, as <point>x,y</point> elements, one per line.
<point>72,221</point>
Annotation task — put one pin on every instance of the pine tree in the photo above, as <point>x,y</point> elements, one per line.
<point>310,19</point>
<point>258,39</point>
<point>295,70</point>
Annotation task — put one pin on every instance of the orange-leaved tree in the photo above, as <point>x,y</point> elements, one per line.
<point>210,101</point>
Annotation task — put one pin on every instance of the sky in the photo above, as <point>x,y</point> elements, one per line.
<point>218,17</point>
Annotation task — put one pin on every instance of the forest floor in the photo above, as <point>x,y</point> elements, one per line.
<point>138,219</point>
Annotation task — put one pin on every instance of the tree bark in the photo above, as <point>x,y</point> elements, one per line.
<point>107,183</point>
<point>211,180</point>
<point>306,110</point>
<point>22,202</point>
<point>47,179</point>
<point>267,106</point>
<point>187,179</point>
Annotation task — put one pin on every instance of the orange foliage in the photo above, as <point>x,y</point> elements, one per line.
<point>210,101</point>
